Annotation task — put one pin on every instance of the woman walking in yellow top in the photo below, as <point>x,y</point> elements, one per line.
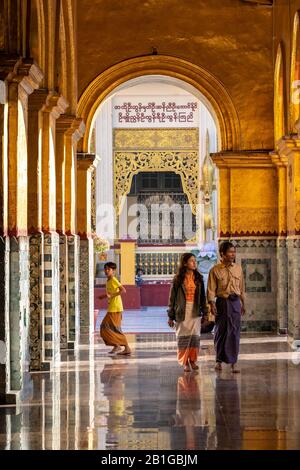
<point>110,329</point>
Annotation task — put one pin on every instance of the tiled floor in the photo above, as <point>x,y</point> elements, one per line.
<point>93,401</point>
<point>146,320</point>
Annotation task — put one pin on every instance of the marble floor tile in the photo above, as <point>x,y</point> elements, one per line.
<point>93,401</point>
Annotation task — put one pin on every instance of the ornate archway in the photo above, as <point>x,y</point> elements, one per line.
<point>128,164</point>
<point>203,81</point>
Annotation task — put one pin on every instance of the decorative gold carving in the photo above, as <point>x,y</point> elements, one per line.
<point>128,164</point>
<point>145,156</point>
<point>93,141</point>
<point>261,219</point>
<point>208,185</point>
<point>224,221</point>
<point>176,138</point>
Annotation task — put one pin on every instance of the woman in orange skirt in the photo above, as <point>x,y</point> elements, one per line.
<point>187,303</point>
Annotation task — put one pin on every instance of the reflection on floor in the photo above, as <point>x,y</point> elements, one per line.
<point>93,401</point>
<point>145,320</point>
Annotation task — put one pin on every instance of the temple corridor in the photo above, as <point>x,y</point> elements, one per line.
<point>93,401</point>
<point>131,141</point>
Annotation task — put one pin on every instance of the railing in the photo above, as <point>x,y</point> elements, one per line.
<point>158,264</point>
<point>154,217</point>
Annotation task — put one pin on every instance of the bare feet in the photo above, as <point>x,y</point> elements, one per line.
<point>234,370</point>
<point>218,366</point>
<point>125,352</point>
<point>194,366</point>
<point>187,368</point>
<point>115,349</point>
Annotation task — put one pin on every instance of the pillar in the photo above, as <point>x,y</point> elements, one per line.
<point>86,164</point>
<point>127,259</point>
<point>104,172</point>
<point>73,320</point>
<point>248,216</point>
<point>36,239</point>
<point>4,266</point>
<point>22,77</point>
<point>54,107</point>
<point>69,130</point>
<point>280,162</point>
<point>63,291</point>
<point>4,331</point>
<point>62,125</point>
<point>290,149</point>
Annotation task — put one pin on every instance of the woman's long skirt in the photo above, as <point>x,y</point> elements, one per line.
<point>110,330</point>
<point>188,336</point>
<point>227,329</point>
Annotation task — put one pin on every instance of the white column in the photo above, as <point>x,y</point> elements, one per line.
<point>104,173</point>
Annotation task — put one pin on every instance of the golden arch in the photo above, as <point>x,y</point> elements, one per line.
<point>202,80</point>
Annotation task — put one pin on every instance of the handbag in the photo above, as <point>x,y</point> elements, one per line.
<point>207,322</point>
<point>206,325</point>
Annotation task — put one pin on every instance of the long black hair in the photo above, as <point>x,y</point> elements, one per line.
<point>182,269</point>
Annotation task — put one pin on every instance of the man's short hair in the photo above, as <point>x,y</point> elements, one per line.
<point>111,265</point>
<point>224,247</point>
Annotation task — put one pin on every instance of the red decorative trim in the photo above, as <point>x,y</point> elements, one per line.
<point>69,233</point>
<point>15,232</point>
<point>48,231</point>
<point>293,232</point>
<point>33,230</point>
<point>84,235</point>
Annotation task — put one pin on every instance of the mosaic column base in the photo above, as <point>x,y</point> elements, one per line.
<point>86,274</point>
<point>282,286</point>
<point>4,315</point>
<point>36,259</point>
<point>51,297</point>
<point>73,324</point>
<point>293,245</point>
<point>19,310</point>
<point>63,301</point>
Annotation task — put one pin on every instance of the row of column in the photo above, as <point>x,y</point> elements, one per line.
<point>60,421</point>
<point>46,248</point>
